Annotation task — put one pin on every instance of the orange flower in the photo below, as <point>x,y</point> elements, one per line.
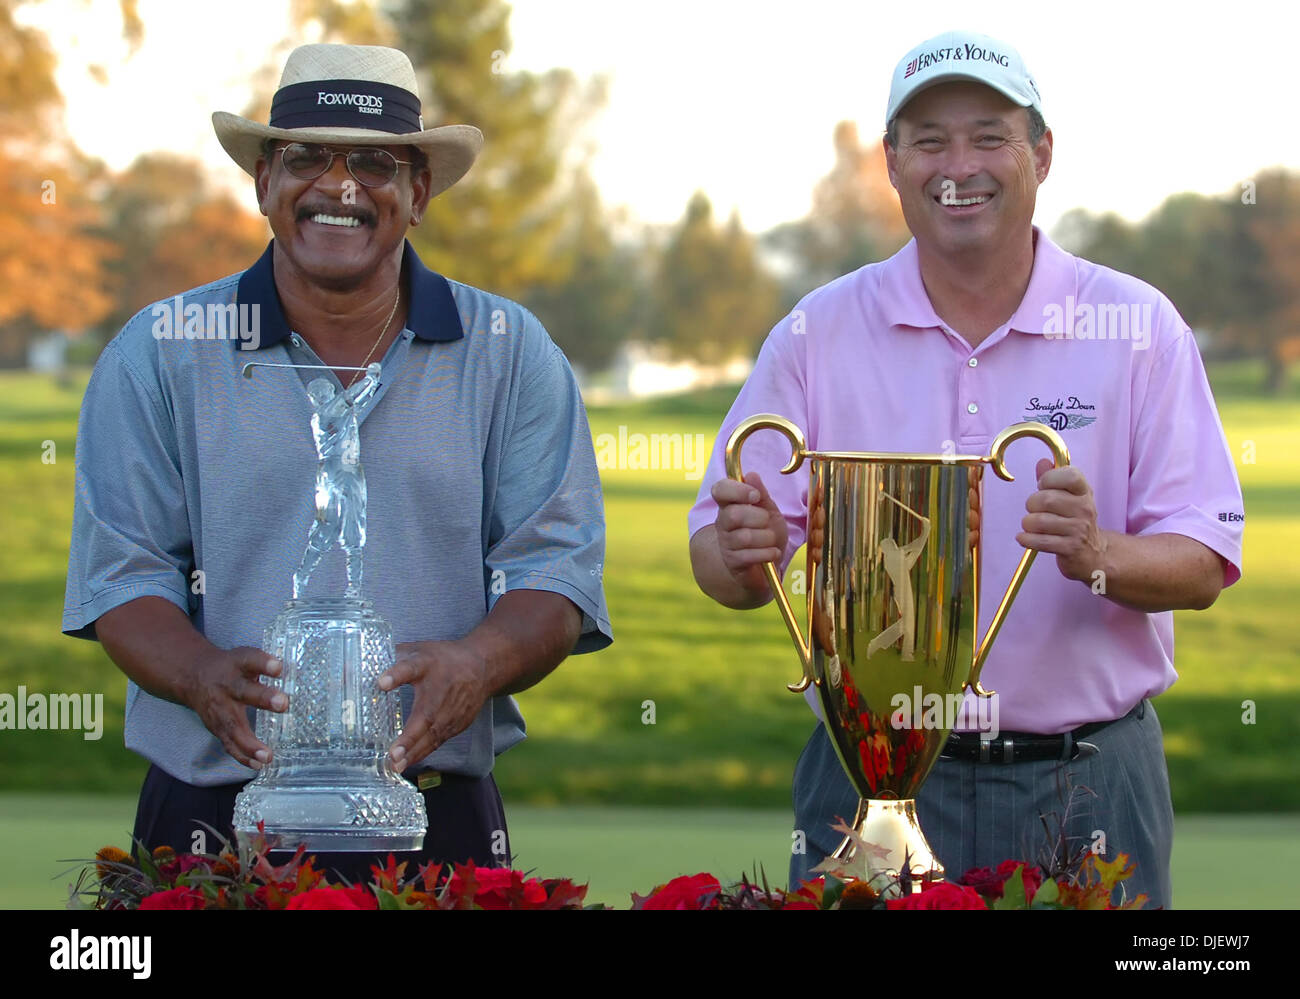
<point>110,855</point>
<point>858,895</point>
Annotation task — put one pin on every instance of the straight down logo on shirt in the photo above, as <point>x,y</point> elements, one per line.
<point>1069,413</point>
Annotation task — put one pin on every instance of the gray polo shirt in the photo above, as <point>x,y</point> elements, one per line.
<point>195,484</point>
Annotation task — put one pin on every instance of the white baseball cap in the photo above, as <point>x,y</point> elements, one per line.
<point>962,55</point>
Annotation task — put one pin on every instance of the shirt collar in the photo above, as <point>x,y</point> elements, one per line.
<point>431,313</point>
<point>905,303</point>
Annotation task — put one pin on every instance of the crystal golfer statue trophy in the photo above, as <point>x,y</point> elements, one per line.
<point>330,784</point>
<point>893,582</point>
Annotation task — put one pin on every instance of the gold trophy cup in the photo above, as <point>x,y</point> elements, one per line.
<point>893,611</point>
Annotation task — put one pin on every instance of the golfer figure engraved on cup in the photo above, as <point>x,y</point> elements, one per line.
<point>330,783</point>
<point>893,612</point>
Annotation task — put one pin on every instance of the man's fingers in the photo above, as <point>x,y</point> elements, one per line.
<point>255,662</point>
<point>728,491</point>
<point>1053,525</point>
<point>418,738</point>
<point>1059,502</point>
<point>258,695</point>
<point>753,556</point>
<point>1069,479</point>
<point>741,538</point>
<point>734,518</point>
<point>246,686</point>
<point>240,742</point>
<point>404,670</point>
<point>765,498</point>
<point>751,491</point>
<point>1048,544</point>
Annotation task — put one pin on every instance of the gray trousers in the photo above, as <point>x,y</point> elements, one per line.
<point>979,814</point>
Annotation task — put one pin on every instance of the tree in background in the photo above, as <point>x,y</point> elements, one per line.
<point>855,217</point>
<point>173,232</point>
<point>1272,228</point>
<point>711,298</point>
<point>503,228</point>
<point>527,221</point>
<point>1230,264</point>
<point>604,303</point>
<point>52,265</point>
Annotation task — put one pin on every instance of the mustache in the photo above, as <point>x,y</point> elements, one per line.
<point>338,211</point>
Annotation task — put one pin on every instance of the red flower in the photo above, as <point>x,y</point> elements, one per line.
<point>809,895</point>
<point>498,888</point>
<point>868,764</point>
<point>356,897</point>
<point>694,893</point>
<point>992,883</point>
<point>939,895</point>
<point>174,898</point>
<point>880,755</point>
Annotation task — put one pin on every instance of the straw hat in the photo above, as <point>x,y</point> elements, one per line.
<point>351,95</point>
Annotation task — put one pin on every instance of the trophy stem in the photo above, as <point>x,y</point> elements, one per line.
<point>892,831</point>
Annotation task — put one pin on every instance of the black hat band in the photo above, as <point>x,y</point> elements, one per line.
<point>346,104</point>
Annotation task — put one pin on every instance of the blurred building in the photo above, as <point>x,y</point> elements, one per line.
<point>642,371</point>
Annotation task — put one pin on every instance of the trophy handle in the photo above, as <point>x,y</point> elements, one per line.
<point>799,447</point>
<point>997,452</point>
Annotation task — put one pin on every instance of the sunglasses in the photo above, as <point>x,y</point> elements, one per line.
<point>370,167</point>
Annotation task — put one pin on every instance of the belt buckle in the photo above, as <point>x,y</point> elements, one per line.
<point>1082,749</point>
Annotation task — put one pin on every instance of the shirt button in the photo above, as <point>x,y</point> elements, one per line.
<point>973,362</point>
<point>972,408</point>
<point>295,339</point>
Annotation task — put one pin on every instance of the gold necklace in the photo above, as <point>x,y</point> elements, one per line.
<point>387,321</point>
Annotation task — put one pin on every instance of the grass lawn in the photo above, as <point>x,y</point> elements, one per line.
<point>725,733</point>
<point>621,850</point>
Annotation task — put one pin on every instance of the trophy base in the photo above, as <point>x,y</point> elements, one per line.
<point>892,829</point>
<point>378,816</point>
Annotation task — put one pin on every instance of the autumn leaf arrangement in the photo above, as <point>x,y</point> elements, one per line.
<point>244,878</point>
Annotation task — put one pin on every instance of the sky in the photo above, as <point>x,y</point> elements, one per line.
<point>740,100</point>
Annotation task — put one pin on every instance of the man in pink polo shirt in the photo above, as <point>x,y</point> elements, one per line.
<point>980,322</point>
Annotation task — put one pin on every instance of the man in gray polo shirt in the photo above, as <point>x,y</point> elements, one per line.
<point>485,523</point>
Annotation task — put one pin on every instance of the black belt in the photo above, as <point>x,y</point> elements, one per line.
<point>1021,747</point>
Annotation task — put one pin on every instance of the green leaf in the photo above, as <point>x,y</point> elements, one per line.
<point>1013,892</point>
<point>1049,893</point>
<point>387,900</point>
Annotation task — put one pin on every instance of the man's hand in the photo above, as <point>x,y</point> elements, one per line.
<point>155,644</point>
<point>749,530</point>
<point>525,636</point>
<point>451,687</point>
<point>222,685</point>
<point>1062,520</point>
<point>1151,573</point>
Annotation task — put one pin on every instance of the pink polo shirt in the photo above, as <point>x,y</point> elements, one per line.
<point>865,364</point>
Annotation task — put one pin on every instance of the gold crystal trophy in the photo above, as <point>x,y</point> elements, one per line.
<point>893,611</point>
